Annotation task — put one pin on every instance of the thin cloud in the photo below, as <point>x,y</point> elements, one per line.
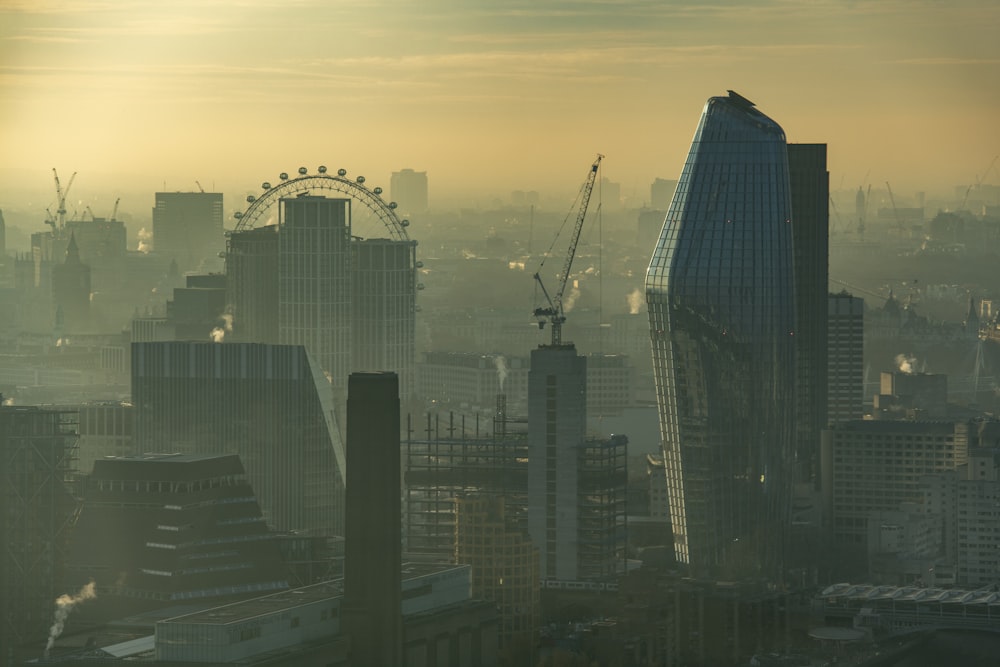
<point>947,61</point>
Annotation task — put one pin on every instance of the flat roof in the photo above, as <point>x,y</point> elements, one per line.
<point>911,594</point>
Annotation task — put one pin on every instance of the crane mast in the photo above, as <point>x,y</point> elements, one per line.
<point>61,195</point>
<point>554,311</point>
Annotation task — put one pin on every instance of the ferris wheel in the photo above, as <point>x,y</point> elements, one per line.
<point>257,211</point>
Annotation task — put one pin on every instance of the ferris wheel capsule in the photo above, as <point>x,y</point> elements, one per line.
<point>341,172</point>
<point>251,199</point>
<point>405,223</point>
<point>283,176</point>
<point>322,169</point>
<point>265,186</point>
<point>303,171</point>
<point>377,190</point>
<point>393,204</point>
<point>361,179</point>
<point>238,215</point>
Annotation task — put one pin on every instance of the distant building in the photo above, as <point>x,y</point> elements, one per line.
<point>314,281</point>
<point>187,226</point>
<point>906,395</point>
<point>252,284</point>
<point>271,404</point>
<point>845,357</point>
<point>876,465</point>
<point>661,192</point>
<point>197,311</point>
<point>576,487</point>
<point>71,291</point>
<point>383,303</point>
<point>37,503</point>
<point>408,189</point>
<point>165,528</point>
<point>504,563</point>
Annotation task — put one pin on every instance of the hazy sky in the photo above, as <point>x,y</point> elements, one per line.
<point>489,94</point>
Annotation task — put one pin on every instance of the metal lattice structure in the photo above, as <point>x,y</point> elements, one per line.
<point>306,183</point>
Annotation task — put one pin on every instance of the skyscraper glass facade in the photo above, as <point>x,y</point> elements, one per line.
<point>721,301</point>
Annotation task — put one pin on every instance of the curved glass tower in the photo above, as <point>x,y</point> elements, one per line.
<point>721,304</point>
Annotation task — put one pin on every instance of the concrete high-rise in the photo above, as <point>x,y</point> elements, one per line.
<point>271,404</point>
<point>845,349</point>
<point>187,226</point>
<point>810,190</point>
<point>408,188</point>
<point>721,301</point>
<point>383,303</point>
<point>372,608</point>
<point>557,429</point>
<point>314,281</point>
<point>252,284</point>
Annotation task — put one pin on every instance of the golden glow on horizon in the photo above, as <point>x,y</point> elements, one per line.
<point>498,96</point>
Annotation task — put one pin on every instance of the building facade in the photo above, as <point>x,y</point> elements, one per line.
<point>810,188</point>
<point>271,404</point>
<point>408,188</point>
<point>187,226</point>
<point>845,357</point>
<point>37,502</point>
<point>314,281</point>
<point>721,302</point>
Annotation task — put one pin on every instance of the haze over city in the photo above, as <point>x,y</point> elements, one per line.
<point>488,96</point>
<point>499,334</point>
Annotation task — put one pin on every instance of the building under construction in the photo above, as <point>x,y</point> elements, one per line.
<point>38,503</point>
<point>459,455</point>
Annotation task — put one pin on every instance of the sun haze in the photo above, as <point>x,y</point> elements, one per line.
<point>489,96</point>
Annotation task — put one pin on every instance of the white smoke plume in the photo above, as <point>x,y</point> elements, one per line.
<point>905,363</point>
<point>634,301</point>
<point>570,300</point>
<point>218,334</point>
<point>144,239</point>
<point>227,318</point>
<point>64,605</point>
<point>501,363</point>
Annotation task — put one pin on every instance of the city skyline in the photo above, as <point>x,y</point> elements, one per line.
<point>485,99</point>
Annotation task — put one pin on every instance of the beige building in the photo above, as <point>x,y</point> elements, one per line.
<point>504,563</point>
<point>872,466</point>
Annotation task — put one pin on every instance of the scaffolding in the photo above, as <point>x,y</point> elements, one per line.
<point>455,457</point>
<point>39,503</point>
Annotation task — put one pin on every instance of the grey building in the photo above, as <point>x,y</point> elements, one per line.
<point>721,301</point>
<point>845,357</point>
<point>187,226</point>
<point>810,189</point>
<point>271,404</point>
<point>408,188</point>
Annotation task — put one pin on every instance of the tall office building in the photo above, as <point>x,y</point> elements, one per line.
<point>661,192</point>
<point>383,303</point>
<point>408,189</point>
<point>271,404</point>
<point>252,284</point>
<point>810,190</point>
<point>721,301</point>
<point>37,504</point>
<point>314,281</point>
<point>372,608</point>
<point>845,349</point>
<point>187,226</point>
<point>557,429</point>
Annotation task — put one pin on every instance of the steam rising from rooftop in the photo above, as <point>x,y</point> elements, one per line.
<point>634,299</point>
<point>64,605</point>
<point>501,363</point>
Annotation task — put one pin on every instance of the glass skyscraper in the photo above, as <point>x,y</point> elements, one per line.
<point>721,300</point>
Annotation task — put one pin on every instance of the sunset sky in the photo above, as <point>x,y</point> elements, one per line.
<point>488,95</point>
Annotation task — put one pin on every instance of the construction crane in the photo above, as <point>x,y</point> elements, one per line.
<point>200,189</point>
<point>554,311</point>
<point>114,211</point>
<point>60,200</point>
<point>979,182</point>
<point>895,211</point>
